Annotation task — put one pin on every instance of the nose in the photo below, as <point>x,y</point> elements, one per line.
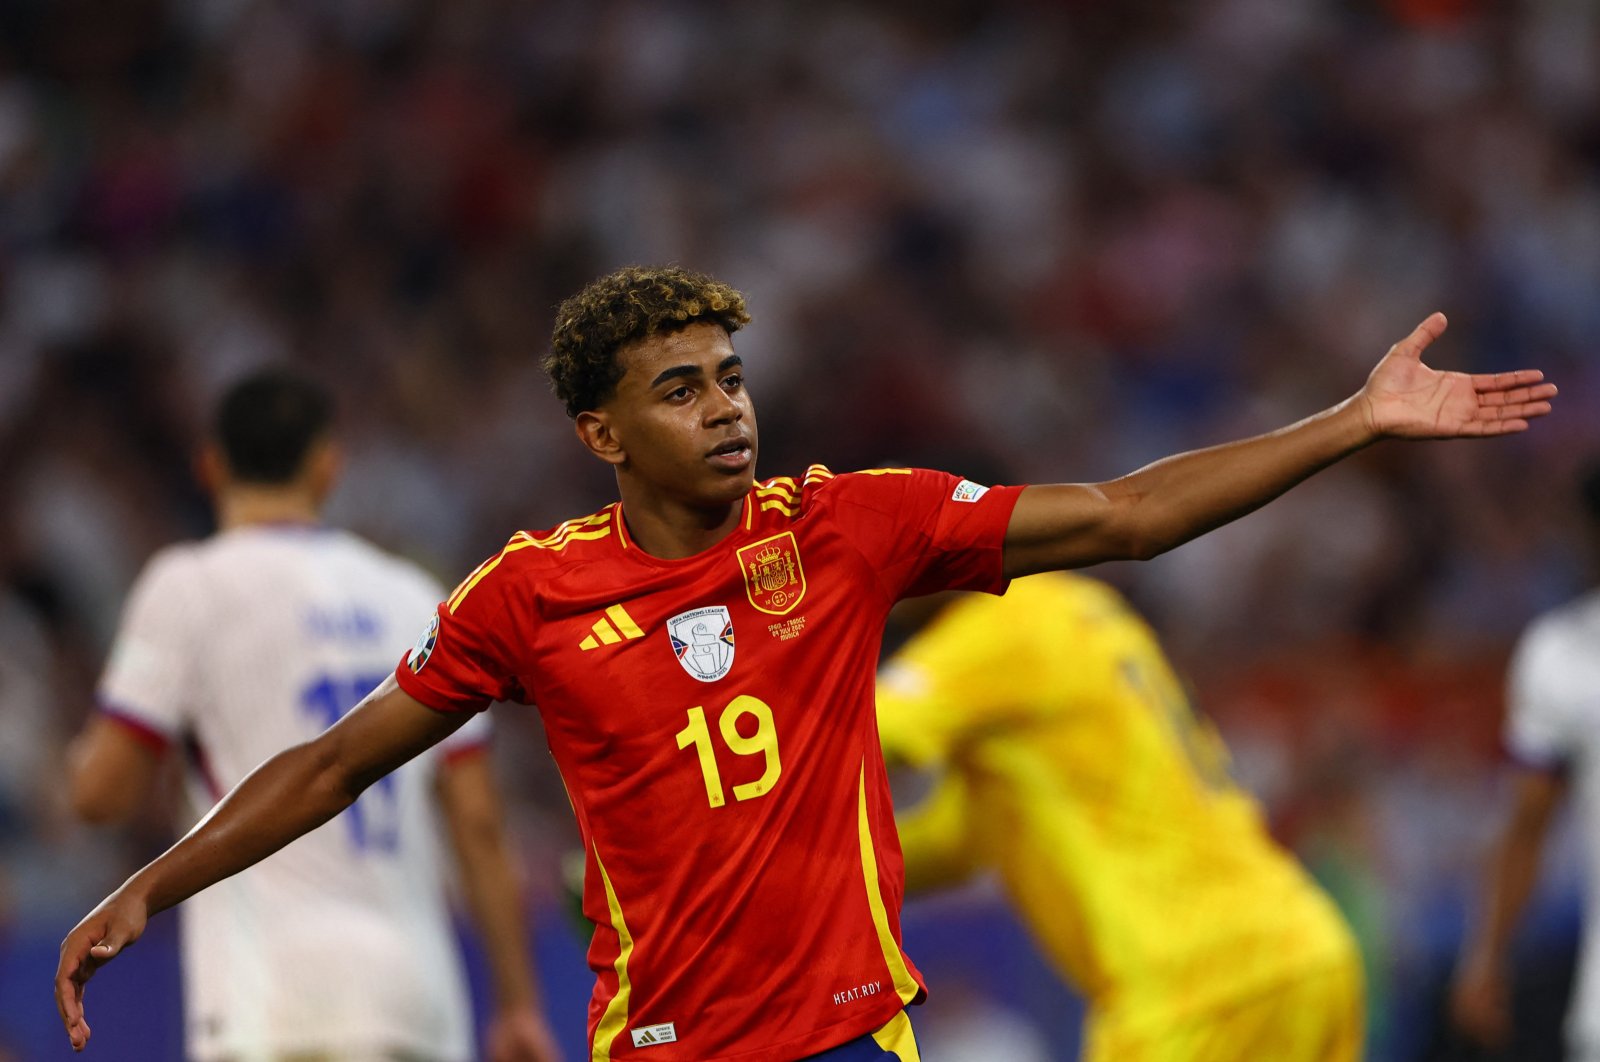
<point>722,408</point>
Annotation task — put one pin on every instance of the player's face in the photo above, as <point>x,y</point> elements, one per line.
<point>682,419</point>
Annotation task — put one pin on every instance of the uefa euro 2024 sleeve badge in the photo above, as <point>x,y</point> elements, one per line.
<point>773,578</point>
<point>424,648</point>
<point>702,640</point>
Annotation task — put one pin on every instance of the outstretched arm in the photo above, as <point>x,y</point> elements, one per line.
<point>290,794</point>
<point>518,1031</point>
<point>1167,503</point>
<point>1480,997</point>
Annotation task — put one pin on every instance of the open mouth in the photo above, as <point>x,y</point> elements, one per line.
<point>733,454</point>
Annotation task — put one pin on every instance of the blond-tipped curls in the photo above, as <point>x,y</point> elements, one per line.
<point>620,307</point>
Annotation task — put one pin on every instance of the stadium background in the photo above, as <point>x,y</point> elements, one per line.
<point>1074,235</point>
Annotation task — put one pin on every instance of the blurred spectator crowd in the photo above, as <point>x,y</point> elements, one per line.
<point>1065,236</point>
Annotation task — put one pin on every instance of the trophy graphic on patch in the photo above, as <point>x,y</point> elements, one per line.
<point>702,640</point>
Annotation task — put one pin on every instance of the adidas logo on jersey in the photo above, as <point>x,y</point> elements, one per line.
<point>612,628</point>
<point>654,1034</point>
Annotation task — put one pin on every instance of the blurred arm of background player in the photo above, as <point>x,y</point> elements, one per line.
<point>474,821</point>
<point>112,774</point>
<point>1480,998</point>
<point>290,794</point>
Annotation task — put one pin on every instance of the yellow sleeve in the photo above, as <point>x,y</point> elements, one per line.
<point>933,838</point>
<point>982,663</point>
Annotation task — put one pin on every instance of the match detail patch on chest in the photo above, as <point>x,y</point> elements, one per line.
<point>773,577</point>
<point>702,640</point>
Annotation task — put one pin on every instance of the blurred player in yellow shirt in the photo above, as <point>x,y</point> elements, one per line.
<point>1069,762</point>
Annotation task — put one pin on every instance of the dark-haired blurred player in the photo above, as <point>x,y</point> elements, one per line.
<point>1067,761</point>
<point>1552,731</point>
<point>258,639</point>
<point>703,654</point>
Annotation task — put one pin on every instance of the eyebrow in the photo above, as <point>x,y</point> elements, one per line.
<point>694,370</point>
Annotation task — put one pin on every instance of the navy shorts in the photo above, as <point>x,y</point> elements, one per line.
<point>892,1042</point>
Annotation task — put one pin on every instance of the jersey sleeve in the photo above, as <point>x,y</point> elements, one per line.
<point>977,667</point>
<point>925,531</point>
<point>1539,729</point>
<point>149,678</point>
<point>463,660</point>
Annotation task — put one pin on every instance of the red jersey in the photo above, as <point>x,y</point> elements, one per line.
<point>713,720</point>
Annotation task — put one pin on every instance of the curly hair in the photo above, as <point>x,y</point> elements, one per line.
<point>620,307</point>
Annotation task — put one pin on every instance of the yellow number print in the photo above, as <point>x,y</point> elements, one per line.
<point>764,741</point>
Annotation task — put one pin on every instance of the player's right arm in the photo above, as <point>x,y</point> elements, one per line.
<point>1480,997</point>
<point>287,796</point>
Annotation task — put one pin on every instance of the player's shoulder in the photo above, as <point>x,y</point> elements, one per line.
<point>176,565</point>
<point>819,489</point>
<point>1570,627</point>
<point>820,484</point>
<point>543,553</point>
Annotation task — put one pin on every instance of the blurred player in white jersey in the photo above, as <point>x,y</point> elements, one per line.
<point>232,649</point>
<point>1553,733</point>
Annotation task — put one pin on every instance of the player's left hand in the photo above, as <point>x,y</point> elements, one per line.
<point>520,1034</point>
<point>1404,398</point>
<point>99,938</point>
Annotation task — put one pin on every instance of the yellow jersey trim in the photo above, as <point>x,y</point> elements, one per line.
<point>896,1037</point>
<point>483,570</point>
<point>615,1019</point>
<point>904,984</point>
<point>780,486</point>
<point>571,531</point>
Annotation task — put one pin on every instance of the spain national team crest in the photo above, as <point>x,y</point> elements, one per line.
<point>424,648</point>
<point>702,640</point>
<point>773,578</point>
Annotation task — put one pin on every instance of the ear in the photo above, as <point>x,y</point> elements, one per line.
<point>211,470</point>
<point>598,434</point>
<point>322,468</point>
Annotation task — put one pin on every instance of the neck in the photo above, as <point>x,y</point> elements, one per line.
<point>244,506</point>
<point>674,530</point>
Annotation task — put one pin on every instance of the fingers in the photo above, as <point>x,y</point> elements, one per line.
<point>69,1004</point>
<point>1421,336</point>
<point>78,965</point>
<point>1519,396</point>
<point>1524,382</point>
<point>1507,401</point>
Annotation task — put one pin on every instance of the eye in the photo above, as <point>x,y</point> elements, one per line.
<point>678,394</point>
<point>733,381</point>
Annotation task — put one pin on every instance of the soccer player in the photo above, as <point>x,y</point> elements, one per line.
<point>743,874</point>
<point>1068,761</point>
<point>1552,731</point>
<point>258,639</point>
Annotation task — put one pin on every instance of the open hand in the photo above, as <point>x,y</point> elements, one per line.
<point>1406,399</point>
<point>93,942</point>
